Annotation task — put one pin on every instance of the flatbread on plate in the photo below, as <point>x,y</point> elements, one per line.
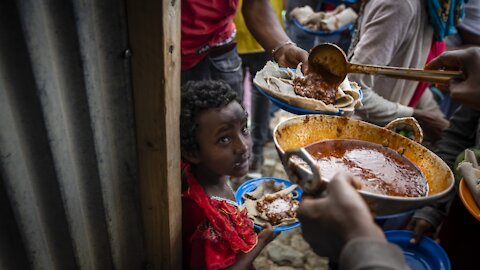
<point>271,202</point>
<point>278,82</point>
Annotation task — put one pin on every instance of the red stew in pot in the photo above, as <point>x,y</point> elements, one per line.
<point>381,169</point>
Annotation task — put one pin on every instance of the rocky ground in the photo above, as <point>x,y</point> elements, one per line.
<point>289,251</point>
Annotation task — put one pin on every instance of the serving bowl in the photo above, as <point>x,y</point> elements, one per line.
<point>468,200</point>
<point>301,131</point>
<point>337,32</point>
<point>427,254</point>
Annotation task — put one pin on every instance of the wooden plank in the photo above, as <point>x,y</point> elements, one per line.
<point>154,35</point>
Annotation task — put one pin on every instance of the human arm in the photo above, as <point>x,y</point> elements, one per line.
<point>468,28</point>
<point>461,134</point>
<point>265,27</point>
<point>381,111</point>
<point>465,91</point>
<point>377,109</point>
<point>368,253</point>
<point>433,122</point>
<point>468,38</point>
<point>245,260</point>
<point>341,227</point>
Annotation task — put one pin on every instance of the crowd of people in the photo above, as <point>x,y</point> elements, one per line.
<point>216,142</point>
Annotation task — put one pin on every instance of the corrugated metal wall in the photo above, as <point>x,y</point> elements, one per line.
<point>68,190</point>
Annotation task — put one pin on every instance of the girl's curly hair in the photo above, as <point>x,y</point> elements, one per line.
<point>198,96</point>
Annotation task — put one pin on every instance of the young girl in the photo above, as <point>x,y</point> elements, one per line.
<point>215,144</point>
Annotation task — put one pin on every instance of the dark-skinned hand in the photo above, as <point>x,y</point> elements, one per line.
<point>266,235</point>
<point>330,222</point>
<point>465,91</point>
<point>420,227</point>
<point>290,56</point>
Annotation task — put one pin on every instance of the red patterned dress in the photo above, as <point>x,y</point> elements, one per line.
<point>213,229</point>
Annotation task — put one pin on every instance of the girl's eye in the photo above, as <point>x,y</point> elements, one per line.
<point>224,140</point>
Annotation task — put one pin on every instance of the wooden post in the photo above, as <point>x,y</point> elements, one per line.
<point>154,36</point>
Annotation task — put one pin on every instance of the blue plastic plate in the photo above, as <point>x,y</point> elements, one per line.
<point>322,33</point>
<point>297,110</point>
<point>252,184</point>
<point>294,109</point>
<point>426,255</point>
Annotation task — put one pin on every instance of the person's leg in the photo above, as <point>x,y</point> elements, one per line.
<point>197,73</point>
<point>228,67</point>
<point>260,119</point>
<point>246,84</point>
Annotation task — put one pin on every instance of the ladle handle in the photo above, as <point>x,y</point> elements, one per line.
<point>433,76</point>
<point>313,186</point>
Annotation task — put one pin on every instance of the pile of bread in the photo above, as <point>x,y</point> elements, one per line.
<point>324,21</point>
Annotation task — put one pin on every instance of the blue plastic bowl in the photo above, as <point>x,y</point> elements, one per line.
<point>322,33</point>
<point>426,255</point>
<point>297,110</point>
<point>252,184</point>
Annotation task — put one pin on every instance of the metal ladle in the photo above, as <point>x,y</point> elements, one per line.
<point>329,61</point>
<point>311,182</point>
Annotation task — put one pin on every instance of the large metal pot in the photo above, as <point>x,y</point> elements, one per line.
<point>300,131</point>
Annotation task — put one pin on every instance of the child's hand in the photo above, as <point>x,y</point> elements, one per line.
<point>245,260</point>
<point>266,235</point>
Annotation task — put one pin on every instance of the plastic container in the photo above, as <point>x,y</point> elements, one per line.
<point>322,37</point>
<point>426,255</point>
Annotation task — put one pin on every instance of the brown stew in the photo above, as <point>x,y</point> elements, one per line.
<point>278,208</point>
<point>381,169</point>
<point>314,86</point>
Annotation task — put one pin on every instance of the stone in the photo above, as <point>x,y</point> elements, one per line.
<point>315,262</point>
<point>284,268</point>
<point>283,237</point>
<point>297,242</point>
<point>262,263</point>
<point>269,162</point>
<point>284,255</point>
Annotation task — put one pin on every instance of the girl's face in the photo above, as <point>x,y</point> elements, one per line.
<point>224,141</point>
